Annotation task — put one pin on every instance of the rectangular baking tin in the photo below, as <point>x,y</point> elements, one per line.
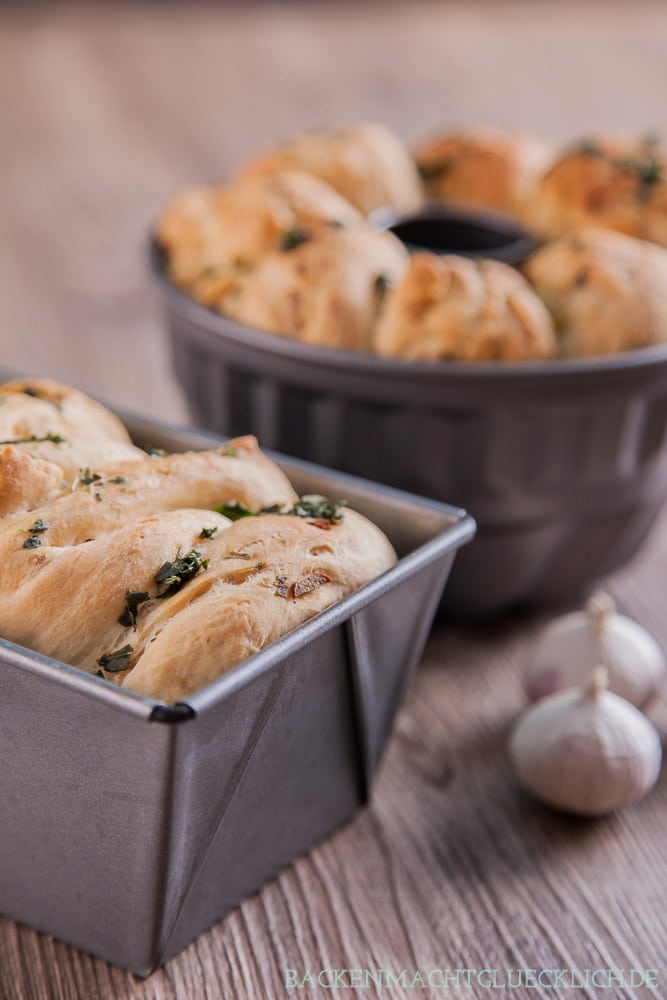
<point>128,827</point>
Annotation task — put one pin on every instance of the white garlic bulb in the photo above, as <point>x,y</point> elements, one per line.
<point>572,645</point>
<point>585,750</point>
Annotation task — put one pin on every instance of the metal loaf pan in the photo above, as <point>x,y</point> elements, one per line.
<point>563,464</point>
<point>129,827</point>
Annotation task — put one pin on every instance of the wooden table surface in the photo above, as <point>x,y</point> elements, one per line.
<point>107,108</point>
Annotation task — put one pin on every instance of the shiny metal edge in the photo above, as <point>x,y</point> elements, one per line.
<point>55,671</point>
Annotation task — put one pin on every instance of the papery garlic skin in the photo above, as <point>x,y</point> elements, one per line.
<point>586,752</point>
<point>570,646</point>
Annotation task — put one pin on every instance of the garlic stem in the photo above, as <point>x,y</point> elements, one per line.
<point>599,682</point>
<point>599,608</point>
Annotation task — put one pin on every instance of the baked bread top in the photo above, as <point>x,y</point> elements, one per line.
<point>615,182</point>
<point>280,250</point>
<point>265,576</point>
<point>60,426</point>
<point>207,231</point>
<point>607,292</point>
<point>161,573</point>
<point>368,164</point>
<point>483,167</point>
<point>452,308</point>
<point>327,289</point>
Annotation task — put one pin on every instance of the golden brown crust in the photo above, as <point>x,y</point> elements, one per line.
<point>62,426</point>
<point>483,167</point>
<point>208,232</point>
<point>606,291</point>
<point>326,291</point>
<point>133,556</point>
<point>239,606</point>
<point>613,182</point>
<point>452,308</point>
<point>112,529</point>
<point>367,164</point>
<point>25,481</point>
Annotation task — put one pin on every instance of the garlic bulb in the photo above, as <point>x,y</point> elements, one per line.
<point>572,645</point>
<point>585,750</point>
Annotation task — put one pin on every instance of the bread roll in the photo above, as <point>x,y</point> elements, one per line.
<point>607,292</point>
<point>367,164</point>
<point>209,231</point>
<point>60,426</point>
<point>483,167</point>
<point>454,309</point>
<point>613,182</point>
<point>327,290</point>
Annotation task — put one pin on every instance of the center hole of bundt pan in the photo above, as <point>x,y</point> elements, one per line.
<point>469,234</point>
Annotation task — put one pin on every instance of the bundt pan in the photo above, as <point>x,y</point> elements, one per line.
<point>563,463</point>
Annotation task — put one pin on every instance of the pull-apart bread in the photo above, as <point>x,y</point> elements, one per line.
<point>607,292</point>
<point>368,164</point>
<point>285,248</point>
<point>452,308</point>
<point>614,182</point>
<point>161,573</point>
<point>483,167</point>
<point>327,290</point>
<point>209,232</point>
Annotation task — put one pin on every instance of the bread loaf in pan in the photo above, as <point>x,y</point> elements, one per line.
<point>161,572</point>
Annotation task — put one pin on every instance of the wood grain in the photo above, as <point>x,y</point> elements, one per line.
<point>107,108</point>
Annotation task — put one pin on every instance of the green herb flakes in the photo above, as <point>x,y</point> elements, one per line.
<point>33,439</point>
<point>310,505</point>
<point>117,479</point>
<point>36,394</point>
<point>133,599</point>
<point>38,527</point>
<point>318,507</point>
<point>33,542</point>
<point>172,575</point>
<point>585,148</point>
<point>114,662</point>
<point>648,173</point>
<point>234,510</point>
<point>86,477</point>
<point>293,238</point>
<point>208,532</point>
<point>435,168</point>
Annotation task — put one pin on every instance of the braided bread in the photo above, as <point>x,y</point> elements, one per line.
<point>61,426</point>
<point>161,573</point>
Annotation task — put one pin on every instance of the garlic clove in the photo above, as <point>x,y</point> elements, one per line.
<point>571,645</point>
<point>586,751</point>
